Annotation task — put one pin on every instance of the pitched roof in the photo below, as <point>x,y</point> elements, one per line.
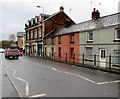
<point>102,22</point>
<point>20,34</point>
<point>46,15</point>
<point>56,14</point>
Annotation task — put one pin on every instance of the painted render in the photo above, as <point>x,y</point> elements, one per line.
<point>102,39</point>
<point>66,48</point>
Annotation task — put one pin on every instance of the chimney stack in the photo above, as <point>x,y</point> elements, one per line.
<point>95,14</point>
<point>61,8</point>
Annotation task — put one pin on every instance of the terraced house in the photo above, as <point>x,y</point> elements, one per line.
<point>100,41</point>
<point>40,26</point>
<point>97,41</point>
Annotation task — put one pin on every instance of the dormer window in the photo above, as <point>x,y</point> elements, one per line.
<point>36,19</point>
<point>31,22</point>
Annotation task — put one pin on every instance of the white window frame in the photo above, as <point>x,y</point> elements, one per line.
<point>32,22</point>
<point>31,32</point>
<point>35,33</point>
<point>115,58</point>
<point>88,36</point>
<point>87,56</point>
<point>116,38</point>
<point>40,33</point>
<point>28,35</point>
<point>36,20</point>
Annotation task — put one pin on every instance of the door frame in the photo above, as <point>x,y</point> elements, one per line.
<point>102,57</point>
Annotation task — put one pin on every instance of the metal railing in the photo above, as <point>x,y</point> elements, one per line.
<point>95,60</point>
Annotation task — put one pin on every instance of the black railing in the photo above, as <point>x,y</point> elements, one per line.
<point>108,62</point>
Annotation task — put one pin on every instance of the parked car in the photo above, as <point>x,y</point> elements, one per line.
<point>14,53</point>
<point>2,50</point>
<point>20,53</point>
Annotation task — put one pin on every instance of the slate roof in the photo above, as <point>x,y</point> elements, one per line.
<point>54,14</point>
<point>20,34</point>
<point>102,22</point>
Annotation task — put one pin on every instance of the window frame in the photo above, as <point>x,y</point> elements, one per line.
<point>88,57</point>
<point>116,38</point>
<point>88,36</point>
<point>116,56</point>
<point>31,32</point>
<point>52,41</point>
<point>59,51</point>
<point>72,52</point>
<point>59,39</point>
<point>35,33</point>
<point>39,33</point>
<point>28,35</point>
<point>72,38</point>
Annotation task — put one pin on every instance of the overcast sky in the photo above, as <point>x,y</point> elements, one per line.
<point>15,13</point>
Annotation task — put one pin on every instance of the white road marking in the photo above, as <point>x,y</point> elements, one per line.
<point>27,89</point>
<point>54,69</point>
<point>14,85</point>
<point>14,73</point>
<point>40,95</point>
<point>20,79</point>
<point>109,82</point>
<point>74,75</point>
<point>27,84</point>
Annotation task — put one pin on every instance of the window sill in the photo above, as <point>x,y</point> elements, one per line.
<point>116,65</point>
<point>72,42</point>
<point>90,60</point>
<point>89,41</point>
<point>116,40</point>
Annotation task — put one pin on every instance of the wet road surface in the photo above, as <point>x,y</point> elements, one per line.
<point>8,89</point>
<point>34,77</point>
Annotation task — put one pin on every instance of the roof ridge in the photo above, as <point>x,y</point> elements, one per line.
<point>52,15</point>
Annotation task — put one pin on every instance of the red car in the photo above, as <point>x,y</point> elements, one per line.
<point>20,53</point>
<point>11,53</point>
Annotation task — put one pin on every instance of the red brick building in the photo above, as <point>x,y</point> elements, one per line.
<point>40,26</point>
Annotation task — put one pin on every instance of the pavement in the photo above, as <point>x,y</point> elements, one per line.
<point>8,89</point>
<point>34,77</point>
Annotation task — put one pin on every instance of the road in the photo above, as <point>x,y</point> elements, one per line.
<point>34,77</point>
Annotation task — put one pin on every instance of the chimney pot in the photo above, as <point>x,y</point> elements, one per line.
<point>95,14</point>
<point>61,8</point>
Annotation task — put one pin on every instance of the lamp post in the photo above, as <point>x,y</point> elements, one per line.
<point>43,12</point>
<point>42,29</point>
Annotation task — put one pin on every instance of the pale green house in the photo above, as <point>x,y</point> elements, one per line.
<point>100,41</point>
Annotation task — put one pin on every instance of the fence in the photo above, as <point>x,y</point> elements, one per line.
<point>93,60</point>
<point>108,62</point>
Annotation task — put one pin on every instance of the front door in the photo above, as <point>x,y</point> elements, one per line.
<point>102,59</point>
<point>40,49</point>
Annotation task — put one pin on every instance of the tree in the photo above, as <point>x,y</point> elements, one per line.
<point>12,37</point>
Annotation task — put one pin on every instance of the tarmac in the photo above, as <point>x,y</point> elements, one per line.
<point>8,89</point>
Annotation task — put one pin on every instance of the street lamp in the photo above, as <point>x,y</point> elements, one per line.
<point>42,28</point>
<point>43,11</point>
